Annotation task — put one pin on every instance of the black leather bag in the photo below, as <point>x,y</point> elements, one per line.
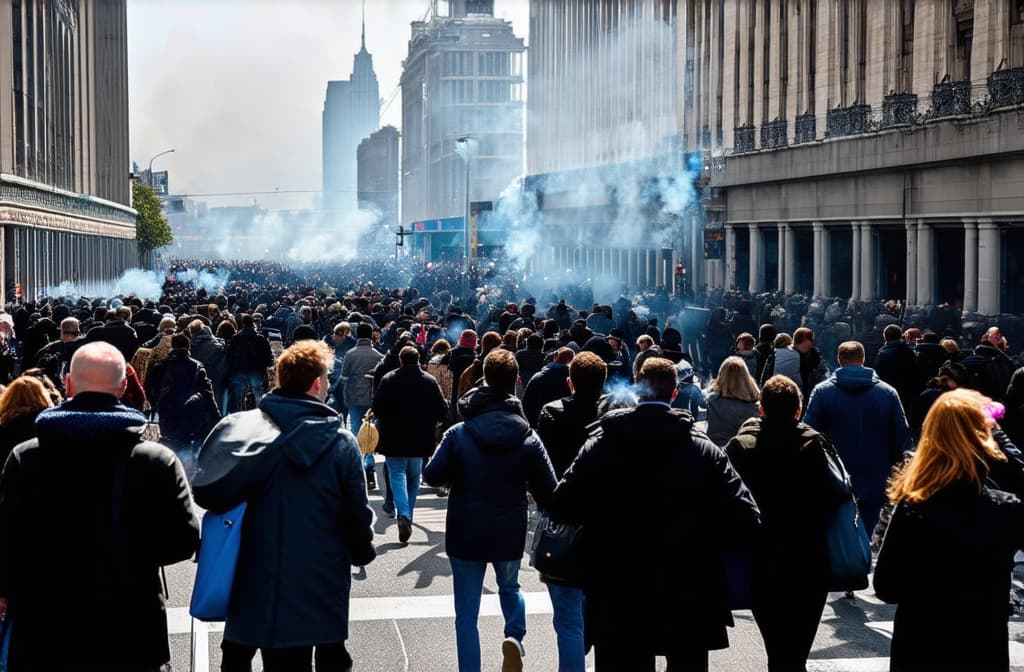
<point>556,552</point>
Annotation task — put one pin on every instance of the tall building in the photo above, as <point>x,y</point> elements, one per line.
<point>65,194</point>
<point>462,80</point>
<point>602,145</point>
<point>378,163</point>
<point>351,112</point>
<point>868,149</point>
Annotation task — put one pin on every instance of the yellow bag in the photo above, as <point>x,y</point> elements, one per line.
<point>368,434</point>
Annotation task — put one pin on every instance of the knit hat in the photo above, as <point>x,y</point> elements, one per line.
<point>468,339</point>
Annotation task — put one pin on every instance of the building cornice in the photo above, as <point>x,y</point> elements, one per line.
<point>35,205</point>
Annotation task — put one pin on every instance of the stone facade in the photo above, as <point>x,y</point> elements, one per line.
<point>868,149</point>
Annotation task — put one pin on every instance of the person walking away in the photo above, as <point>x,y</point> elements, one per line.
<point>951,530</point>
<point>563,427</point>
<point>732,400</point>
<point>490,461</point>
<point>88,504</point>
<point>896,364</point>
<point>782,461</point>
<point>248,358</point>
<point>210,352</point>
<point>690,397</point>
<point>863,418</point>
<point>21,402</point>
<point>357,384</point>
<point>547,385</point>
<point>812,367</point>
<point>744,349</point>
<point>307,520</point>
<point>407,430</point>
<point>634,616</point>
<point>784,360</point>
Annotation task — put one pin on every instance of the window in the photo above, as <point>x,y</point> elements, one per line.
<point>1016,50</point>
<point>905,78</point>
<point>493,64</point>
<point>458,64</point>
<point>963,38</point>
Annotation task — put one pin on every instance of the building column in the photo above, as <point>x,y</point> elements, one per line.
<point>867,262</point>
<point>730,256</point>
<point>970,266</point>
<point>988,267</point>
<point>818,268</point>
<point>855,266</point>
<point>790,235</point>
<point>911,263</point>
<point>925,264</point>
<point>755,259</point>
<point>780,232</point>
<point>826,262</point>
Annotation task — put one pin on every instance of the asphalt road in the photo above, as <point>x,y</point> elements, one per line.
<point>403,616</point>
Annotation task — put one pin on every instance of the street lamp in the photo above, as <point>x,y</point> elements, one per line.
<point>467,157</point>
<point>166,151</point>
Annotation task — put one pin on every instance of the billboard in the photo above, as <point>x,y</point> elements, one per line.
<point>159,183</point>
<point>714,243</point>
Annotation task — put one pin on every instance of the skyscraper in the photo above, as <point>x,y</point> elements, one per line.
<point>351,113</point>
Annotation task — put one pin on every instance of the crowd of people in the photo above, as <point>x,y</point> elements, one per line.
<point>117,411</point>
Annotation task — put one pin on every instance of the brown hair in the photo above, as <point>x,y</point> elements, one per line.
<point>440,347</point>
<point>26,394</point>
<point>803,334</point>
<point>587,373</point>
<point>781,398</point>
<point>501,370</point>
<point>657,379</point>
<point>408,355</point>
<point>564,356</point>
<point>782,341</point>
<point>851,353</point>
<point>746,339</point>
<point>489,341</point>
<point>956,441</point>
<point>301,364</point>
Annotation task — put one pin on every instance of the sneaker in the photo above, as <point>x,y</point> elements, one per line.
<point>443,491</point>
<point>371,478</point>
<point>512,653</point>
<point>404,530</point>
<point>388,509</point>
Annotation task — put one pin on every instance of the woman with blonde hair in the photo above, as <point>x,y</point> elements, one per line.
<point>732,401</point>
<point>20,403</point>
<point>949,545</point>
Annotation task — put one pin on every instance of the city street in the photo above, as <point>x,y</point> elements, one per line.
<point>402,615</point>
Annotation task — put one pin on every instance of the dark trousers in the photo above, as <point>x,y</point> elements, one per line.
<point>613,658</point>
<point>788,623</point>
<point>328,657</point>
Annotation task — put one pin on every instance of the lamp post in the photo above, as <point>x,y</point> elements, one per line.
<point>166,151</point>
<point>467,157</point>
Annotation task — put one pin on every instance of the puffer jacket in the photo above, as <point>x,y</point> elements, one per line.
<point>490,461</point>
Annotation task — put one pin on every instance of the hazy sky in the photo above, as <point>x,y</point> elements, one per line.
<point>237,87</point>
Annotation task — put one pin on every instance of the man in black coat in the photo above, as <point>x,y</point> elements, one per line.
<point>118,332</point>
<point>248,358</point>
<point>549,384</point>
<point>408,406</point>
<point>307,520</point>
<point>90,509</point>
<point>675,601</point>
<point>896,364</point>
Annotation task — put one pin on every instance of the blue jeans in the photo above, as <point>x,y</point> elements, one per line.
<point>567,603</point>
<point>468,580</point>
<point>355,422</point>
<point>238,383</point>
<point>404,477</point>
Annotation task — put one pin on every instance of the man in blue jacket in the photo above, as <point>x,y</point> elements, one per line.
<point>489,462</point>
<point>307,521</point>
<point>862,416</point>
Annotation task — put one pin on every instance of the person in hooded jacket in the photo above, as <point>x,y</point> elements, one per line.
<point>490,461</point>
<point>307,521</point>
<point>210,352</point>
<point>863,418</point>
<point>896,364</point>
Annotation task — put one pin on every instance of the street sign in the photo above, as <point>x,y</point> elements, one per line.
<point>160,183</point>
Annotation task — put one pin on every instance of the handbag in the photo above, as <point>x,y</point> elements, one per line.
<point>218,557</point>
<point>556,551</point>
<point>849,548</point>
<point>369,435</point>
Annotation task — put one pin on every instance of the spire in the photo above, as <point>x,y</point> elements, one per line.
<point>364,25</point>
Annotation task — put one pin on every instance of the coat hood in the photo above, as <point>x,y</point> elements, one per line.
<point>308,427</point>
<point>494,419</point>
<point>855,377</point>
<point>99,417</point>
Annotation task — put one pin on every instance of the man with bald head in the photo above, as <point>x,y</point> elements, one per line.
<point>90,505</point>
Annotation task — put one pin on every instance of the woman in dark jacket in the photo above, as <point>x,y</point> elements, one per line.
<point>20,403</point>
<point>949,529</point>
<point>782,462</point>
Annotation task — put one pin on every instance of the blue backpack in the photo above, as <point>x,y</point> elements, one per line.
<point>218,557</point>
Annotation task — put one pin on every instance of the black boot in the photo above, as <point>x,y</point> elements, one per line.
<point>371,478</point>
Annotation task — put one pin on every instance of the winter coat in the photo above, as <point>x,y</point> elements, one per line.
<point>783,362</point>
<point>782,462</point>
<point>725,415</point>
<point>862,416</point>
<point>357,373</point>
<point>60,543</point>
<point>16,430</point>
<point>210,352</point>
<point>307,521</point>
<point>749,358</point>
<point>1002,369</point>
<point>530,362</point>
<point>248,352</point>
<point>600,323</point>
<point>896,364</point>
<point>119,335</point>
<point>169,386</point>
<point>675,597</point>
<point>565,425</point>
<point>408,405</point>
<point>549,384</point>
<point>812,371</point>
<point>930,357</point>
<point>963,540</point>
<point>490,461</point>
